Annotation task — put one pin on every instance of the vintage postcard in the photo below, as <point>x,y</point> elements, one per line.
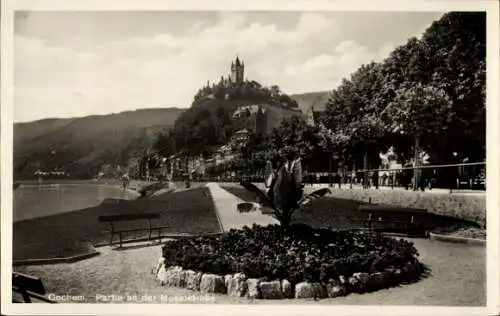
<point>288,157</point>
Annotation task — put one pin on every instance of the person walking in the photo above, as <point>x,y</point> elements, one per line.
<point>125,181</point>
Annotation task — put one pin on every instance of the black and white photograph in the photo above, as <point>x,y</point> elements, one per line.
<point>299,159</point>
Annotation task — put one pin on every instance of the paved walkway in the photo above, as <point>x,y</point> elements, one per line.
<point>315,186</point>
<point>225,204</point>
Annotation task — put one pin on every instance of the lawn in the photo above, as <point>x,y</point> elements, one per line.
<point>470,207</point>
<point>73,233</point>
<point>335,213</point>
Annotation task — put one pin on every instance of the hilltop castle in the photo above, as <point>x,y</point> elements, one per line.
<point>235,78</point>
<point>237,71</point>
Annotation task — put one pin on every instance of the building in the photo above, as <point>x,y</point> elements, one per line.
<point>313,116</point>
<point>252,117</point>
<point>239,139</point>
<point>232,149</point>
<point>237,71</point>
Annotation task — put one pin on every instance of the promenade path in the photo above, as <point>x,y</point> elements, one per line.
<point>225,204</point>
<point>311,187</point>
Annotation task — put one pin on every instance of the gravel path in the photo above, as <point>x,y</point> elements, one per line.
<point>225,203</point>
<point>458,276</point>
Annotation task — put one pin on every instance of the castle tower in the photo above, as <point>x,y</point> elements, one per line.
<point>237,71</point>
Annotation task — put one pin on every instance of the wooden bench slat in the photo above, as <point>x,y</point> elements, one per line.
<point>136,229</point>
<point>390,208</point>
<point>28,287</point>
<point>28,282</point>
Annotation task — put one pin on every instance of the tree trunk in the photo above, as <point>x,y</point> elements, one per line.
<point>353,178</point>
<point>416,164</point>
<point>366,176</point>
<point>285,218</point>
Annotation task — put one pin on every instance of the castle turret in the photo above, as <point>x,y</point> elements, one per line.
<point>237,71</point>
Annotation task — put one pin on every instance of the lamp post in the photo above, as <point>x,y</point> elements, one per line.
<point>330,168</point>
<point>455,154</point>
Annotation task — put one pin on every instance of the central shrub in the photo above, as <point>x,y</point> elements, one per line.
<point>299,254</point>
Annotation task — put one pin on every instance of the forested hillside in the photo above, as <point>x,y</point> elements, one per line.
<point>81,146</point>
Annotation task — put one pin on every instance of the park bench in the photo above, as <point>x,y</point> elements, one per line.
<point>29,287</point>
<point>111,219</point>
<point>412,221</point>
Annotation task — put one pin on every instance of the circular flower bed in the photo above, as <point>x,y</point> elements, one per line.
<point>354,260</point>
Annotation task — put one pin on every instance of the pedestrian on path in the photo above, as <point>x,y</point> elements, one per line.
<point>125,181</point>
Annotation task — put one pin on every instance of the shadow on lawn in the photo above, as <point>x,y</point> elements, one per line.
<point>66,234</point>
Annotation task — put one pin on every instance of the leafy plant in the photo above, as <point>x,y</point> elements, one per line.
<point>285,194</point>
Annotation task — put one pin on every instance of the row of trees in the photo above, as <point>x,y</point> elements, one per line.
<point>427,95</point>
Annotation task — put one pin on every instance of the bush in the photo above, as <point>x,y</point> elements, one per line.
<point>302,254</point>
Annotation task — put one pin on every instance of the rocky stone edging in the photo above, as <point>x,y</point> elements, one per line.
<point>238,285</point>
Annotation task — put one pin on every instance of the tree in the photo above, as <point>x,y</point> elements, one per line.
<point>457,51</point>
<point>417,111</point>
<point>353,114</point>
<point>295,135</point>
<point>275,92</point>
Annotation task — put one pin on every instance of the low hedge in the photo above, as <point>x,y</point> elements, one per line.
<point>467,207</point>
<point>302,254</point>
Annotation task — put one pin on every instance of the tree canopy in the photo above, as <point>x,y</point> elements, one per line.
<point>433,88</point>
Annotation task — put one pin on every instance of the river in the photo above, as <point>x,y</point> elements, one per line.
<point>32,201</point>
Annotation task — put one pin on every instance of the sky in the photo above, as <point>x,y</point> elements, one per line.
<point>72,64</point>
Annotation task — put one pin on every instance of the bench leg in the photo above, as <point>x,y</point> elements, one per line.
<point>120,239</point>
<point>112,233</point>
<point>150,229</point>
<point>26,297</point>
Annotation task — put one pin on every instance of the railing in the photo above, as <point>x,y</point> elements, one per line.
<point>471,176</point>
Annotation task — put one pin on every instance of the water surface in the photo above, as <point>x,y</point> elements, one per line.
<point>32,201</point>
